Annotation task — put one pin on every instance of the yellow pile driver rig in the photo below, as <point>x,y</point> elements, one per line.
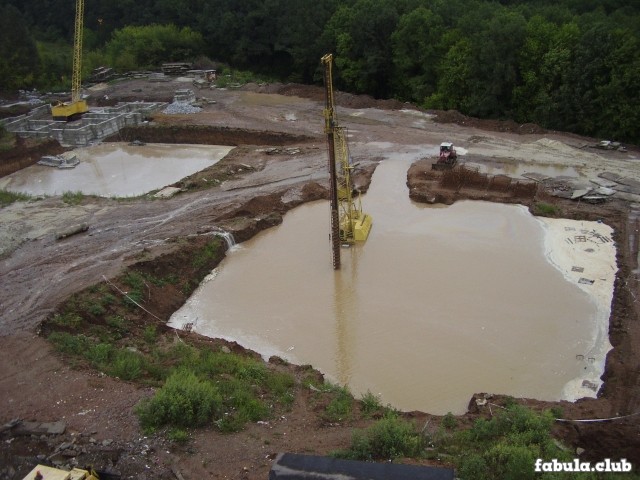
<point>348,223</point>
<point>76,107</point>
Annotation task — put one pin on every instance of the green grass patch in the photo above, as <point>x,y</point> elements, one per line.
<point>72,198</point>
<point>340,408</point>
<point>7,198</point>
<point>545,209</point>
<point>150,334</point>
<point>178,435</point>
<point>67,320</point>
<point>69,344</point>
<point>207,253</point>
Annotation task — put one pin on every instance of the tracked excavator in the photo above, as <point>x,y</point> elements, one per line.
<point>349,224</point>
<point>76,107</point>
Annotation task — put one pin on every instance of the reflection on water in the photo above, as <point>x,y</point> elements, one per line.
<point>439,303</point>
<point>117,169</point>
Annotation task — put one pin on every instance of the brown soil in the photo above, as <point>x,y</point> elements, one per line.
<point>252,190</point>
<point>27,152</point>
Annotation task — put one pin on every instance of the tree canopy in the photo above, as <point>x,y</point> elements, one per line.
<point>565,64</point>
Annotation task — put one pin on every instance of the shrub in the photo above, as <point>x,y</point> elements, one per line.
<point>449,421</point>
<point>507,446</point>
<point>127,365</point>
<point>100,355</point>
<point>183,401</point>
<point>389,438</point>
<point>150,334</point>
<point>369,403</point>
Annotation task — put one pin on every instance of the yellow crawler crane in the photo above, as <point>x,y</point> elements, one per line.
<point>348,223</point>
<point>76,107</point>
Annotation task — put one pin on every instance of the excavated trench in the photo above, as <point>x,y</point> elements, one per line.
<point>149,236</point>
<point>439,303</point>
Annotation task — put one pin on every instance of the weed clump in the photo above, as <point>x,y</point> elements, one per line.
<point>72,198</point>
<point>389,438</point>
<point>545,210</point>
<point>184,401</point>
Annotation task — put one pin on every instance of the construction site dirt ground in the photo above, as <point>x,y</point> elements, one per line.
<point>279,162</point>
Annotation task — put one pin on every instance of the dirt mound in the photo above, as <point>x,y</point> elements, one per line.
<point>453,116</point>
<point>204,134</point>
<point>315,92</point>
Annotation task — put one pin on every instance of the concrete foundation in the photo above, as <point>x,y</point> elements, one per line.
<point>94,126</point>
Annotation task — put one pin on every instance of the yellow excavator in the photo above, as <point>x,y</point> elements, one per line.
<point>76,107</point>
<point>348,223</point>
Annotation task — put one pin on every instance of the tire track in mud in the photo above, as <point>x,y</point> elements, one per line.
<point>40,274</point>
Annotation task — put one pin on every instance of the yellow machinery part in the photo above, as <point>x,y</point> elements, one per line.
<point>362,227</point>
<point>67,111</point>
<point>51,473</point>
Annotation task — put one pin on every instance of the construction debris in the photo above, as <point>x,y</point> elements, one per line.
<point>19,427</point>
<point>64,160</point>
<point>175,68</point>
<point>609,145</point>
<point>182,103</point>
<point>72,230</point>
<point>167,192</point>
<point>181,108</point>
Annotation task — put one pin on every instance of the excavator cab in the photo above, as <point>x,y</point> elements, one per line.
<point>447,158</point>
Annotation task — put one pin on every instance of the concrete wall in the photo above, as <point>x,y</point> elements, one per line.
<point>92,127</point>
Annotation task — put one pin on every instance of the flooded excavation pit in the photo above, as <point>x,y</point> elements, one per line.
<point>440,303</point>
<point>117,169</point>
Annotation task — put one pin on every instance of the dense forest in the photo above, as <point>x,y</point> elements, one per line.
<point>570,65</point>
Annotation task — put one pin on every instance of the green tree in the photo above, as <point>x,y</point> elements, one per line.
<point>360,36</point>
<point>150,46</point>
<point>19,62</point>
<point>455,73</point>
<point>417,50</point>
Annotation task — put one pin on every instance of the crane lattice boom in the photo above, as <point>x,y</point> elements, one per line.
<point>348,223</point>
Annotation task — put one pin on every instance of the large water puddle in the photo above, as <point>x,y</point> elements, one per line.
<point>117,170</point>
<point>439,303</point>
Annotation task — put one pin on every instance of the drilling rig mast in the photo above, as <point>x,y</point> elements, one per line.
<point>348,223</point>
<point>77,106</point>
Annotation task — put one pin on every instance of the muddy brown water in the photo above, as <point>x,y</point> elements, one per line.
<point>117,170</point>
<point>440,303</point>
